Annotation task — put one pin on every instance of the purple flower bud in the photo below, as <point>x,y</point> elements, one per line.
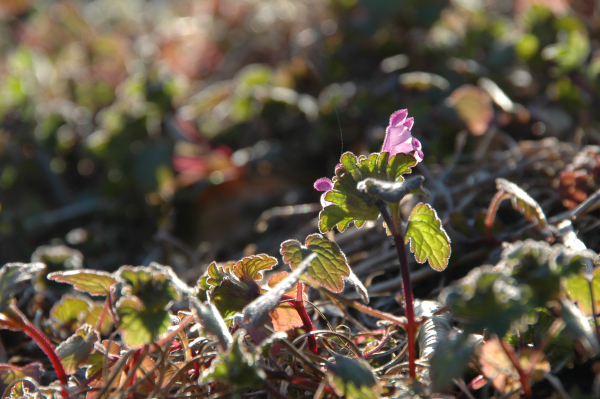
<point>398,138</point>
<point>324,184</point>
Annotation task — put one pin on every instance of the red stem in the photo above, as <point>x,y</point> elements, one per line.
<point>103,314</point>
<point>395,227</point>
<point>306,321</point>
<point>47,347</point>
<point>491,213</point>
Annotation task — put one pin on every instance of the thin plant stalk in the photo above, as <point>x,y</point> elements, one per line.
<point>593,303</point>
<point>395,226</point>
<point>298,304</point>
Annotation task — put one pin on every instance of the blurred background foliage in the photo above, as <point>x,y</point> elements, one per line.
<point>154,130</point>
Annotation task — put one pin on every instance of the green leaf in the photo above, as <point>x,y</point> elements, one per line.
<point>329,268</point>
<point>350,205</point>
<point>231,295</point>
<point>234,285</point>
<point>578,289</point>
<point>140,325</point>
<point>93,316</point>
<point>147,293</point>
<point>94,282</point>
<point>428,239</point>
<point>486,299</point>
<point>151,285</point>
<point>538,266</point>
<point>12,275</point>
<point>67,311</point>
<point>353,378</point>
<point>74,351</point>
<point>456,350</point>
<point>238,368</point>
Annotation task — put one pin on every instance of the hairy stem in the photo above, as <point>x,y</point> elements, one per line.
<point>298,304</point>
<point>395,227</point>
<point>48,349</point>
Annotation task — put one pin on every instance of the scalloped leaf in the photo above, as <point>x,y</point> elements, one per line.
<point>11,277</point>
<point>329,268</point>
<point>578,290</point>
<point>486,299</point>
<point>76,349</point>
<point>94,282</point>
<point>349,204</point>
<point>140,325</point>
<point>428,239</point>
<point>67,312</point>
<point>353,378</point>
<point>234,285</point>
<point>249,268</point>
<point>152,285</point>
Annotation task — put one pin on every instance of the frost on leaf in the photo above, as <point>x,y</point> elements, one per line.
<point>486,299</point>
<point>234,285</point>
<point>74,351</point>
<point>349,205</point>
<point>11,277</point>
<point>329,268</point>
<point>147,294</point>
<point>428,239</point>
<point>94,282</point>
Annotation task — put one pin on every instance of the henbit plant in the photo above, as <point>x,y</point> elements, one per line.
<point>365,187</point>
<point>230,302</point>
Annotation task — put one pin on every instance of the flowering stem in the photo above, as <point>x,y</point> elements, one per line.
<point>298,304</point>
<point>395,227</point>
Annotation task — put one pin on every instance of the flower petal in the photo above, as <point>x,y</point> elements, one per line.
<point>398,117</point>
<point>398,138</point>
<point>323,184</point>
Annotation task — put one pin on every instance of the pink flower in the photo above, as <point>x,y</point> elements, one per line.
<point>398,138</point>
<point>324,184</point>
